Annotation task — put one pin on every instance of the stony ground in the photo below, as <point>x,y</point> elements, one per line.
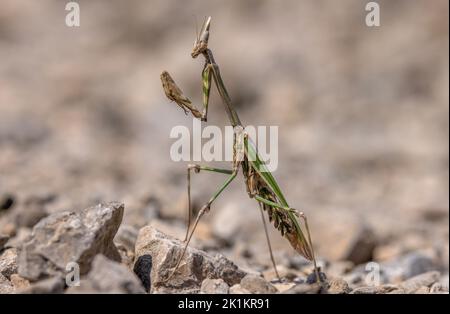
<point>115,258</point>
<point>363,138</point>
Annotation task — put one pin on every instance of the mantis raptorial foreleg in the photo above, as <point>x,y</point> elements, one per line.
<point>174,93</point>
<point>197,169</point>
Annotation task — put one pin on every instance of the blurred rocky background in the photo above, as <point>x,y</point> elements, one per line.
<point>362,115</point>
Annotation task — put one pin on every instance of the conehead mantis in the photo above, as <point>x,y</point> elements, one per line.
<point>260,183</point>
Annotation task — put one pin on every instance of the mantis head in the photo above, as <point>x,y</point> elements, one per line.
<point>201,42</point>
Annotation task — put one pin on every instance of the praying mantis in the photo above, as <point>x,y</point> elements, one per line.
<point>260,183</point>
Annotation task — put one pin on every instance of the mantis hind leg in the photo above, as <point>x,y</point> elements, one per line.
<point>205,208</point>
<point>274,265</point>
<point>316,269</point>
<point>197,169</point>
<point>305,220</point>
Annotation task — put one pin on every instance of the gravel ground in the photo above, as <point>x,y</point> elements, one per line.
<point>86,176</point>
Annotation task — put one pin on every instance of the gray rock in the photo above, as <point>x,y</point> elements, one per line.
<point>444,282</point>
<point>407,266</point>
<point>424,280</point>
<point>156,256</point>
<point>53,285</point>
<point>304,288</point>
<point>393,271</point>
<point>422,290</point>
<point>5,285</point>
<point>360,246</point>
<point>338,286</point>
<point>18,282</point>
<point>126,236</point>
<point>257,284</point>
<point>366,290</point>
<point>312,277</point>
<point>214,286</point>
<point>21,235</point>
<point>355,278</point>
<point>382,289</point>
<point>237,289</point>
<point>107,276</point>
<point>350,238</point>
<point>8,262</point>
<point>438,288</point>
<point>416,263</point>
<point>66,237</point>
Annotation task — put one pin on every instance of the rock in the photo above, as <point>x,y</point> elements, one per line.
<point>21,235</point>
<point>304,288</point>
<point>52,285</point>
<point>355,278</point>
<point>438,288</point>
<point>156,255</point>
<point>351,238</point>
<point>237,289</point>
<point>3,239</point>
<point>107,276</point>
<point>214,286</point>
<point>125,240</point>
<point>424,280</point>
<point>360,246</point>
<point>444,282</point>
<point>18,282</point>
<point>126,236</point>
<point>257,284</point>
<point>312,277</point>
<point>8,262</point>
<point>408,266</point>
<point>126,256</point>
<point>391,289</point>
<point>366,290</point>
<point>338,286</point>
<point>7,228</point>
<point>142,268</point>
<point>422,290</point>
<point>5,285</point>
<point>416,263</point>
<point>383,289</point>
<point>65,237</point>
<point>283,286</point>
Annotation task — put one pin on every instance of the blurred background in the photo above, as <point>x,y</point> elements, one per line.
<point>362,115</point>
